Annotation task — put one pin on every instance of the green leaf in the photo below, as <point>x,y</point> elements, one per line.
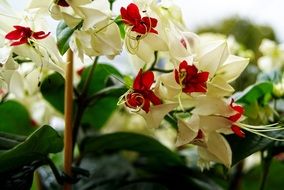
<point>63,34</point>
<point>244,147</point>
<point>37,146</point>
<point>95,116</point>
<point>8,141</point>
<point>100,77</point>
<point>256,100</point>
<point>121,26</point>
<point>142,144</point>
<point>128,81</point>
<point>102,87</point>
<point>52,90</point>
<point>15,118</point>
<point>260,92</point>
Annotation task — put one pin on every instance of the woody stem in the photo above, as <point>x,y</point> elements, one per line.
<point>68,110</point>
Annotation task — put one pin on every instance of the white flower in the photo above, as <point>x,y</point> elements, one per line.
<point>202,131</point>
<point>103,40</point>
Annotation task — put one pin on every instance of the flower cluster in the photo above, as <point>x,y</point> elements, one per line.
<point>180,75</point>
<point>194,80</point>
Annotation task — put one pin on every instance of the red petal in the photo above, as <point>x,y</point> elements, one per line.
<point>191,70</point>
<point>143,81</point>
<point>176,76</point>
<point>125,16</point>
<point>139,28</point>
<point>147,79</point>
<point>202,77</point>
<point>20,42</point>
<point>146,106</point>
<point>237,130</point>
<point>133,11</point>
<point>235,117</point>
<point>153,98</point>
<point>195,88</point>
<point>150,22</point>
<point>40,35</point>
<point>14,35</point>
<point>137,81</point>
<point>153,31</point>
<point>183,65</point>
<point>20,27</point>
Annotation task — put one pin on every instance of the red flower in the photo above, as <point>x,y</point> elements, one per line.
<point>190,79</point>
<point>132,17</point>
<point>62,3</point>
<point>142,95</point>
<point>22,35</point>
<point>239,112</point>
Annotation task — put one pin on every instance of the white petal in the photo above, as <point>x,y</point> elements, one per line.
<point>107,42</point>
<point>212,56</point>
<point>213,123</point>
<point>32,80</point>
<point>232,68</point>
<point>218,87</point>
<point>167,88</point>
<point>95,12</point>
<point>16,85</point>
<point>155,42</point>
<point>187,131</point>
<point>219,146</point>
<point>156,114</point>
<point>211,106</point>
<point>70,20</point>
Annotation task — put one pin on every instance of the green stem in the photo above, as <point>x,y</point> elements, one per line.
<point>153,68</point>
<point>161,70</point>
<point>266,162</point>
<point>104,92</point>
<point>89,77</point>
<point>82,103</point>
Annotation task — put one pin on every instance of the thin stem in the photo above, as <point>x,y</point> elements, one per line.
<point>162,70</point>
<point>89,77</point>
<point>81,102</point>
<point>153,68</point>
<point>68,110</point>
<point>235,183</point>
<point>266,162</point>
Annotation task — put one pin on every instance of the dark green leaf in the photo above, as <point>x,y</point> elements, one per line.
<point>37,146</point>
<point>15,118</point>
<point>8,141</point>
<point>63,34</point>
<point>244,147</point>
<point>100,78</point>
<point>142,144</point>
<point>97,115</point>
<point>52,89</point>
<point>144,186</point>
<point>105,94</point>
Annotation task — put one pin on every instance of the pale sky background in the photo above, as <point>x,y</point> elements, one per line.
<point>202,12</point>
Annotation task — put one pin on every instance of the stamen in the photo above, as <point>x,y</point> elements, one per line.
<point>263,128</point>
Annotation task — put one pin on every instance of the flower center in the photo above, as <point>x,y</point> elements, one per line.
<point>134,101</point>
